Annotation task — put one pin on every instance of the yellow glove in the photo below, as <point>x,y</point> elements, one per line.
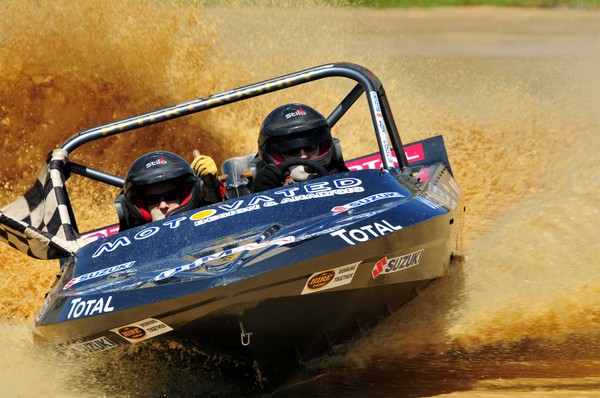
<point>205,168</point>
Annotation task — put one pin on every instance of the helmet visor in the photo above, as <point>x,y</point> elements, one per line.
<point>168,196</point>
<point>310,144</point>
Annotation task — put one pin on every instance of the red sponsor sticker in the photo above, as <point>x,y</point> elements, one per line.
<point>414,153</point>
<point>378,268</point>
<point>102,233</point>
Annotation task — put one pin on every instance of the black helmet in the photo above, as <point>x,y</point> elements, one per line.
<point>291,127</point>
<point>156,167</point>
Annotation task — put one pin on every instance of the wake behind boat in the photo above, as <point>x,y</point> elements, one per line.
<point>276,276</point>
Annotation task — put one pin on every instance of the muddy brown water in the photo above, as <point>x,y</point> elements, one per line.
<point>515,92</point>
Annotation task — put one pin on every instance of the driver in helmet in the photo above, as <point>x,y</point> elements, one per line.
<point>160,184</point>
<point>295,131</point>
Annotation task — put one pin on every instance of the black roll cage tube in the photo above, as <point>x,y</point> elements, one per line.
<point>367,82</point>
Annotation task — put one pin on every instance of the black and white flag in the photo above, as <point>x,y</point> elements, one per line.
<point>41,223</point>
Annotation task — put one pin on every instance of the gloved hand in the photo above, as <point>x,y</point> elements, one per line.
<point>206,168</point>
<point>268,177</point>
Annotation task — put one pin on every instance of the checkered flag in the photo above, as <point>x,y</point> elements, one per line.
<point>41,222</point>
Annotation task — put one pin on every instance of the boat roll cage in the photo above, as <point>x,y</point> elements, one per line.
<point>386,131</point>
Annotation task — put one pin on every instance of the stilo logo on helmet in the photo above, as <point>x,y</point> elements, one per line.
<point>156,162</point>
<point>299,112</point>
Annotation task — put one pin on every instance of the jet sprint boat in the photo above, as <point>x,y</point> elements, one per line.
<point>284,273</point>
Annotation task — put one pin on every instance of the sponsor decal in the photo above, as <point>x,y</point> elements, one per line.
<point>142,330</point>
<point>320,280</point>
<point>387,266</point>
<point>375,101</point>
<point>124,240</point>
<point>206,219</point>
<point>414,153</point>
<point>101,233</point>
<point>381,130</point>
<point>111,246</point>
<point>330,278</point>
<point>366,232</point>
<point>81,307</point>
<point>156,162</point>
<point>299,112</point>
<point>380,123</point>
<point>367,200</point>
<point>132,332</point>
<point>249,247</point>
<point>315,195</point>
<point>174,223</point>
<point>91,346</point>
<point>202,214</point>
<point>290,194</point>
<point>99,273</point>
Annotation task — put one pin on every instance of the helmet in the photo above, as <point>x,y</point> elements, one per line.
<point>291,127</point>
<point>156,167</point>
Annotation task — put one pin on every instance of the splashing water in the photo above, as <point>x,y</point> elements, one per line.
<point>517,104</point>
